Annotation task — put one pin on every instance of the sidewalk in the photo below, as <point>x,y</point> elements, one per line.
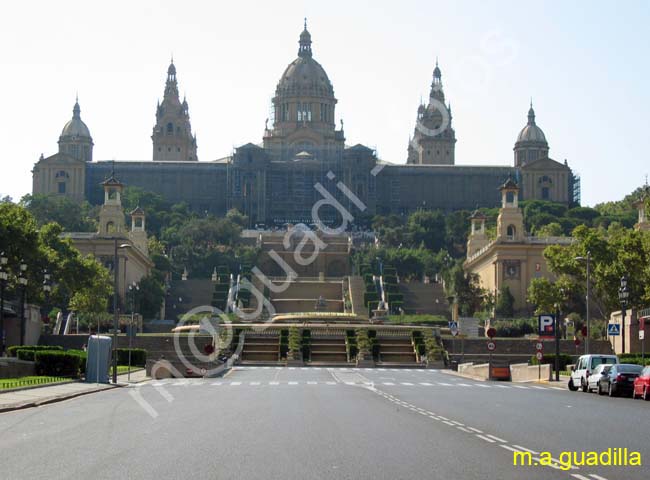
<point>35,397</point>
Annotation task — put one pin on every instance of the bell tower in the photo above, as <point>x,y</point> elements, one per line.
<point>477,237</point>
<point>138,234</point>
<point>172,136</point>
<point>111,216</point>
<point>510,222</point>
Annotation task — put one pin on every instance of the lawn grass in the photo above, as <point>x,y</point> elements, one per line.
<point>432,320</point>
<point>121,369</point>
<point>32,381</point>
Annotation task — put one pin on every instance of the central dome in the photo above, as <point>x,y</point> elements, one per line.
<point>304,76</point>
<point>75,127</point>
<point>531,132</point>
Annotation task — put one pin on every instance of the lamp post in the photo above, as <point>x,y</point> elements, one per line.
<point>3,283</point>
<point>47,289</point>
<point>22,281</point>
<point>588,260</point>
<point>133,288</point>
<point>116,294</point>
<point>623,297</point>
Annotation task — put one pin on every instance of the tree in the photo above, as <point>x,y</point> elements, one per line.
<point>427,228</point>
<point>552,229</point>
<point>238,218</point>
<point>72,216</point>
<point>505,303</point>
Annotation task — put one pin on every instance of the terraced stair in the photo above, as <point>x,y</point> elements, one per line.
<point>424,298</point>
<point>396,350</point>
<point>261,348</point>
<point>329,349</point>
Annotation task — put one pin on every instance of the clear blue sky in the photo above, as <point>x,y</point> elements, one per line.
<point>584,63</point>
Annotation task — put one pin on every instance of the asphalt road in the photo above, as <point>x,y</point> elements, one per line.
<point>310,423</point>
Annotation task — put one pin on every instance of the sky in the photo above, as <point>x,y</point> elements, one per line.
<point>583,63</point>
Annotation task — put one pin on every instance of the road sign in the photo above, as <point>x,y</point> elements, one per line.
<point>491,332</point>
<point>539,356</point>
<point>203,371</point>
<point>453,327</point>
<point>546,325</point>
<point>641,334</point>
<point>613,329</point>
<point>539,346</point>
<point>491,346</point>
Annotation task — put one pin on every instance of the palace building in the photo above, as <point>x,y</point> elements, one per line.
<point>303,156</point>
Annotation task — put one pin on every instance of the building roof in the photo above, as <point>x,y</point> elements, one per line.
<point>531,132</point>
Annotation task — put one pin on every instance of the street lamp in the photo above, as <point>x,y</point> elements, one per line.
<point>184,274</point>
<point>588,260</point>
<point>47,289</point>
<point>214,275</point>
<point>3,284</point>
<point>623,297</point>
<point>22,280</point>
<point>116,316</point>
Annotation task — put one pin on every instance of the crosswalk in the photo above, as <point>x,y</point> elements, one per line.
<point>310,383</point>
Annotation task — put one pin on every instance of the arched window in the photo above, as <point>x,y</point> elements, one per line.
<point>110,227</point>
<point>511,231</point>
<point>170,128</point>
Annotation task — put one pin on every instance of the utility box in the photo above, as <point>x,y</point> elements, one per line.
<point>99,359</point>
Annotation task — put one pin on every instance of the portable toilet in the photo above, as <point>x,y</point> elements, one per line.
<point>99,359</point>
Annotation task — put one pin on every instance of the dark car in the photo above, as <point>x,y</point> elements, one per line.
<point>619,380</point>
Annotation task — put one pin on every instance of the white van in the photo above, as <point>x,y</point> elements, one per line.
<point>583,368</point>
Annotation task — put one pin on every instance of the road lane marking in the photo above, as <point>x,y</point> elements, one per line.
<point>464,429</point>
<point>520,386</point>
<point>445,384</point>
<point>389,383</point>
<point>448,423</point>
<point>579,477</point>
<point>293,383</point>
<point>475,430</point>
<point>407,384</point>
<point>217,383</point>
<point>330,383</point>
<point>444,418</point>
<point>234,384</point>
<point>495,438</point>
<point>312,383</point>
<point>507,447</point>
<point>274,383</point>
<point>463,384</point>
<point>597,477</point>
<point>252,384</point>
<point>485,438</point>
<point>425,384</point>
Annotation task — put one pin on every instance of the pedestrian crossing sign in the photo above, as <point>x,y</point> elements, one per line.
<point>613,329</point>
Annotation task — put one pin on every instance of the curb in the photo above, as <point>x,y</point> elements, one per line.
<point>48,400</point>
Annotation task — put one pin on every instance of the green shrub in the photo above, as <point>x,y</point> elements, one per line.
<point>370,297</point>
<point>26,354</point>
<point>363,341</point>
<point>56,363</point>
<point>83,356</point>
<point>395,297</point>
<point>351,343</point>
<point>138,356</point>
<point>294,341</point>
<point>12,350</point>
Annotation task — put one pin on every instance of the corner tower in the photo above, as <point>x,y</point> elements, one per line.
<point>434,139</point>
<point>172,135</point>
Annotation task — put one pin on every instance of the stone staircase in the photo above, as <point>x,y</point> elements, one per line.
<point>328,349</point>
<point>424,298</point>
<point>396,349</point>
<point>302,296</point>
<point>261,348</point>
<point>357,289</point>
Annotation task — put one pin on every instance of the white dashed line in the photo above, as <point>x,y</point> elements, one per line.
<point>293,383</point>
<point>253,384</point>
<point>485,438</point>
<point>388,384</point>
<point>597,477</point>
<point>464,429</point>
<point>495,438</point>
<point>526,449</point>
<point>274,383</point>
<point>507,447</point>
<point>475,430</point>
<point>425,384</point>
<point>234,384</point>
<point>407,384</point>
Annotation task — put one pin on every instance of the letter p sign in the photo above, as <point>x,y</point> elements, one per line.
<point>546,325</point>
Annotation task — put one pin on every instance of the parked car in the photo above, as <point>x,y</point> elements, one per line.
<point>583,368</point>
<point>642,384</point>
<point>593,380</point>
<point>619,380</point>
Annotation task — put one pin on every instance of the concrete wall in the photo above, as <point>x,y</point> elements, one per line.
<point>522,372</point>
<point>478,372</point>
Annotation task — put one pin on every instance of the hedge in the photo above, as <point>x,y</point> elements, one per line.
<point>57,363</point>
<point>138,356</point>
<point>12,350</point>
<point>634,358</point>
